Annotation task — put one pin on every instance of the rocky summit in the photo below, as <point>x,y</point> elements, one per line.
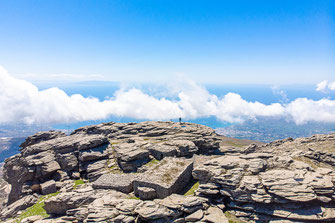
<point>168,172</point>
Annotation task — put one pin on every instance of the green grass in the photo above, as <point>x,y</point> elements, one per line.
<point>160,141</point>
<point>193,189</point>
<point>77,182</point>
<point>114,143</point>
<point>115,169</point>
<point>133,197</point>
<point>152,163</point>
<point>36,209</point>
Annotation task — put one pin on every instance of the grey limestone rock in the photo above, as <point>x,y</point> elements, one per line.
<point>119,182</point>
<point>146,193</point>
<point>215,215</point>
<point>59,204</point>
<point>48,187</point>
<point>42,136</point>
<point>283,181</point>
<point>170,176</point>
<point>21,204</point>
<point>195,217</point>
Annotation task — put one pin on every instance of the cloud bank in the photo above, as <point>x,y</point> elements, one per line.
<point>21,101</point>
<point>325,86</point>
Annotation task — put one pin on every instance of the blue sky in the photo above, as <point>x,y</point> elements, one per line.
<point>254,42</point>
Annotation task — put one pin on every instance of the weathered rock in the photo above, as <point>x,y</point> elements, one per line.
<point>127,206</point>
<point>286,180</point>
<point>215,215</point>
<point>18,205</point>
<point>146,193</point>
<point>192,204</point>
<point>48,187</point>
<point>208,189</point>
<point>184,148</point>
<point>288,185</point>
<point>174,201</point>
<point>150,211</point>
<point>68,161</point>
<point>129,152</point>
<point>170,176</point>
<point>119,182</point>
<point>195,217</point>
<point>59,204</point>
<point>161,151</point>
<point>131,156</point>
<point>32,219</point>
<point>124,219</point>
<point>41,136</point>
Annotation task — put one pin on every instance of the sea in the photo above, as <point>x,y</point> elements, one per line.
<point>266,94</point>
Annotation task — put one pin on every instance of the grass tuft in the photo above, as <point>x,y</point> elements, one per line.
<point>76,183</point>
<point>134,197</point>
<point>152,163</point>
<point>36,209</point>
<point>193,189</point>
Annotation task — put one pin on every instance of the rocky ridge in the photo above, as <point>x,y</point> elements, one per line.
<point>138,172</point>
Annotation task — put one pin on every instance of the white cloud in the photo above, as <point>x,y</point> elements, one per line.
<point>304,110</point>
<point>277,91</point>
<point>331,86</point>
<point>322,86</point>
<point>21,101</point>
<point>325,86</point>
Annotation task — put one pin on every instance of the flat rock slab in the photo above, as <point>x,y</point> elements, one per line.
<point>119,182</point>
<point>130,152</point>
<point>146,193</point>
<point>196,216</point>
<point>171,175</point>
<point>215,215</point>
<point>48,187</point>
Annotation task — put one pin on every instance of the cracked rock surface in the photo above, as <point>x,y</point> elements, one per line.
<point>139,172</point>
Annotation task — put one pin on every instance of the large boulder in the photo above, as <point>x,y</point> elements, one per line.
<point>18,205</point>
<point>130,156</point>
<point>59,204</point>
<point>171,175</point>
<point>42,136</point>
<point>48,187</point>
<point>119,182</point>
<point>278,183</point>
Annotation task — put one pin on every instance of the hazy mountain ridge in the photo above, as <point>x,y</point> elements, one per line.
<point>9,147</point>
<point>270,129</point>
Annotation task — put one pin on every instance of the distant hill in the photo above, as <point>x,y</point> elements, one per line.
<point>270,129</point>
<point>9,147</point>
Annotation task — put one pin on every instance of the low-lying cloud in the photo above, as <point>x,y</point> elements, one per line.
<point>21,101</point>
<point>325,86</point>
